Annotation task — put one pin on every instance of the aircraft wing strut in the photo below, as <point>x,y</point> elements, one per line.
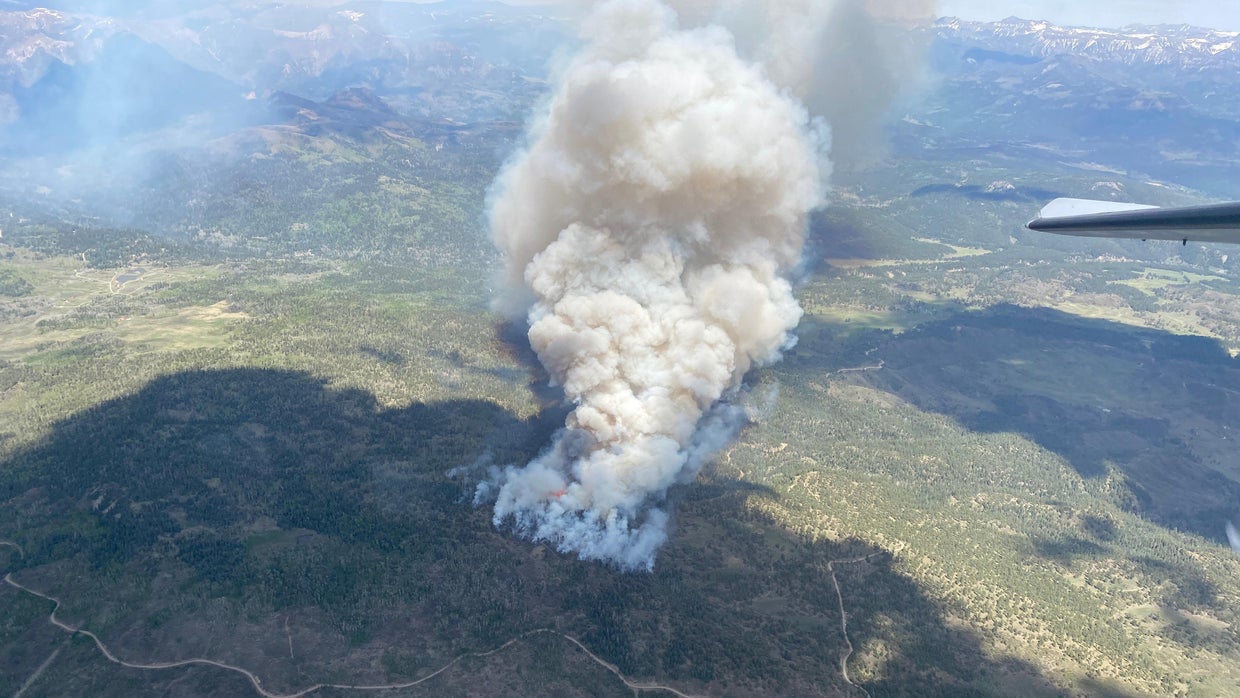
<point>1109,219</point>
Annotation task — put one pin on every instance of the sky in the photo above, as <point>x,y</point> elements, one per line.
<point>1216,14</point>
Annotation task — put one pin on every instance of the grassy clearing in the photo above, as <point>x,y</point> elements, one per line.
<point>1170,320</point>
<point>1151,280</point>
<point>858,318</point>
<point>188,328</point>
<point>958,251</point>
<point>1123,316</point>
<point>950,253</point>
<point>71,302</point>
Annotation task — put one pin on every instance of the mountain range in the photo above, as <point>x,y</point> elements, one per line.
<point>461,60</point>
<point>1156,102</point>
<point>1182,47</point>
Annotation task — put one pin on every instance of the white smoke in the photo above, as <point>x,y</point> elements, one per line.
<point>648,229</point>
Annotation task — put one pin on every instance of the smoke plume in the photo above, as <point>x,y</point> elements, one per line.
<point>649,228</point>
<point>649,225</point>
<point>845,60</point>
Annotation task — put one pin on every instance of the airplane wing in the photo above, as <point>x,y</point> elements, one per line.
<point>1109,219</point>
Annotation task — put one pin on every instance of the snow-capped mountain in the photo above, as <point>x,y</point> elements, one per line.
<point>1178,46</point>
<point>1155,101</point>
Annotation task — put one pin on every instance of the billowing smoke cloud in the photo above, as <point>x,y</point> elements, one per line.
<point>649,227</point>
<point>846,60</point>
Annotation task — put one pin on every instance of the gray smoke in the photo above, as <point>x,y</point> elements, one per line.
<point>846,60</point>
<point>649,226</point>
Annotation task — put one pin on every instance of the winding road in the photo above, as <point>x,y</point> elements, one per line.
<point>258,683</point>
<point>839,595</point>
<point>861,369</point>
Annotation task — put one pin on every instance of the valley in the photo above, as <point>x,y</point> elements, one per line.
<point>245,402</point>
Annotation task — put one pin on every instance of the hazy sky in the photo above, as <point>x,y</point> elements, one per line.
<point>1217,14</point>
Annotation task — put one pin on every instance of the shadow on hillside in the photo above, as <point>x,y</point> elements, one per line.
<point>854,232</point>
<point>976,192</point>
<point>775,587</point>
<point>1154,406</point>
<point>513,337</point>
<point>232,446</point>
<point>273,492</point>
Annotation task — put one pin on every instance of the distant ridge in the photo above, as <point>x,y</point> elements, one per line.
<point>1182,47</point>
